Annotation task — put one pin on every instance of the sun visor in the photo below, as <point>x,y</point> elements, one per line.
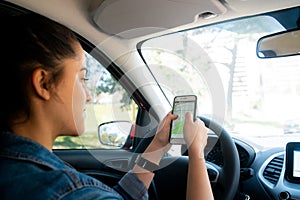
<point>147,16</point>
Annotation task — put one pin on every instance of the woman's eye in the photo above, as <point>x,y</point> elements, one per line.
<point>84,79</point>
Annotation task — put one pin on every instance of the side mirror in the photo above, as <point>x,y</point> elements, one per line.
<point>114,133</point>
<point>286,43</point>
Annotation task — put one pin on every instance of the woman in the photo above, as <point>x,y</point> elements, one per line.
<point>45,95</point>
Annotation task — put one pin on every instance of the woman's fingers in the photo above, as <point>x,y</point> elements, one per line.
<point>195,132</point>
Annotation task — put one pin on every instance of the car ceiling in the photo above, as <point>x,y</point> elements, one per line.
<point>91,20</point>
<point>99,19</point>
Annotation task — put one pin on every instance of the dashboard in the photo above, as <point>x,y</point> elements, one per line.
<point>263,173</point>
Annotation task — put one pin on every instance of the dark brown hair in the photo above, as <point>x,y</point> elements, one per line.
<point>28,42</point>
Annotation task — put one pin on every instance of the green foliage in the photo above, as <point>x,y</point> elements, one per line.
<point>103,82</point>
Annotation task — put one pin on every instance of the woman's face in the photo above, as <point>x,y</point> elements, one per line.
<point>73,95</point>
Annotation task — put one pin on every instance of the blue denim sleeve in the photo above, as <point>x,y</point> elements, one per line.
<point>131,187</point>
<point>94,193</point>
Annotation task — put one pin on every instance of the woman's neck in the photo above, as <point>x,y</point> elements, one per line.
<point>35,131</point>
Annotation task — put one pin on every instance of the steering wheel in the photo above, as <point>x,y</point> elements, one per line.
<point>224,180</point>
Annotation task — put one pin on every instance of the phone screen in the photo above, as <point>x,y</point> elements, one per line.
<point>181,105</point>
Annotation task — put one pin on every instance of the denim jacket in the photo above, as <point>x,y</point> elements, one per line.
<point>30,171</point>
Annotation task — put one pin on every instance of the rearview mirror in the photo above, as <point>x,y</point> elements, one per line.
<point>114,133</point>
<point>280,44</point>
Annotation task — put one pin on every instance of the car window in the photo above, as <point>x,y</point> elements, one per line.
<point>254,98</point>
<point>110,102</point>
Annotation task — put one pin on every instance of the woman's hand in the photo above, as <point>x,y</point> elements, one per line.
<point>161,139</point>
<point>195,135</point>
<point>160,143</point>
<point>157,148</point>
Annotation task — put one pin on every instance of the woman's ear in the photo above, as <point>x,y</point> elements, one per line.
<point>40,83</point>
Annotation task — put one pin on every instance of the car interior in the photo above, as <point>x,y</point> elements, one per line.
<point>241,59</point>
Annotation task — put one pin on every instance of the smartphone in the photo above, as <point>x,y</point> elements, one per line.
<point>181,105</point>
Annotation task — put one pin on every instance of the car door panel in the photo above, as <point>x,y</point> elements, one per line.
<point>107,166</point>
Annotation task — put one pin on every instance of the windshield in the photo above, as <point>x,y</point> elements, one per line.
<point>253,98</point>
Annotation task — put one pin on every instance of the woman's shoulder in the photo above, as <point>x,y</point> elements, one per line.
<point>21,150</point>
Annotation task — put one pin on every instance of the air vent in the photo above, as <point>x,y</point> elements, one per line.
<point>273,169</point>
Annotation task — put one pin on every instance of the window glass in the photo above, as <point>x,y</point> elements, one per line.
<point>254,98</point>
<point>110,102</point>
